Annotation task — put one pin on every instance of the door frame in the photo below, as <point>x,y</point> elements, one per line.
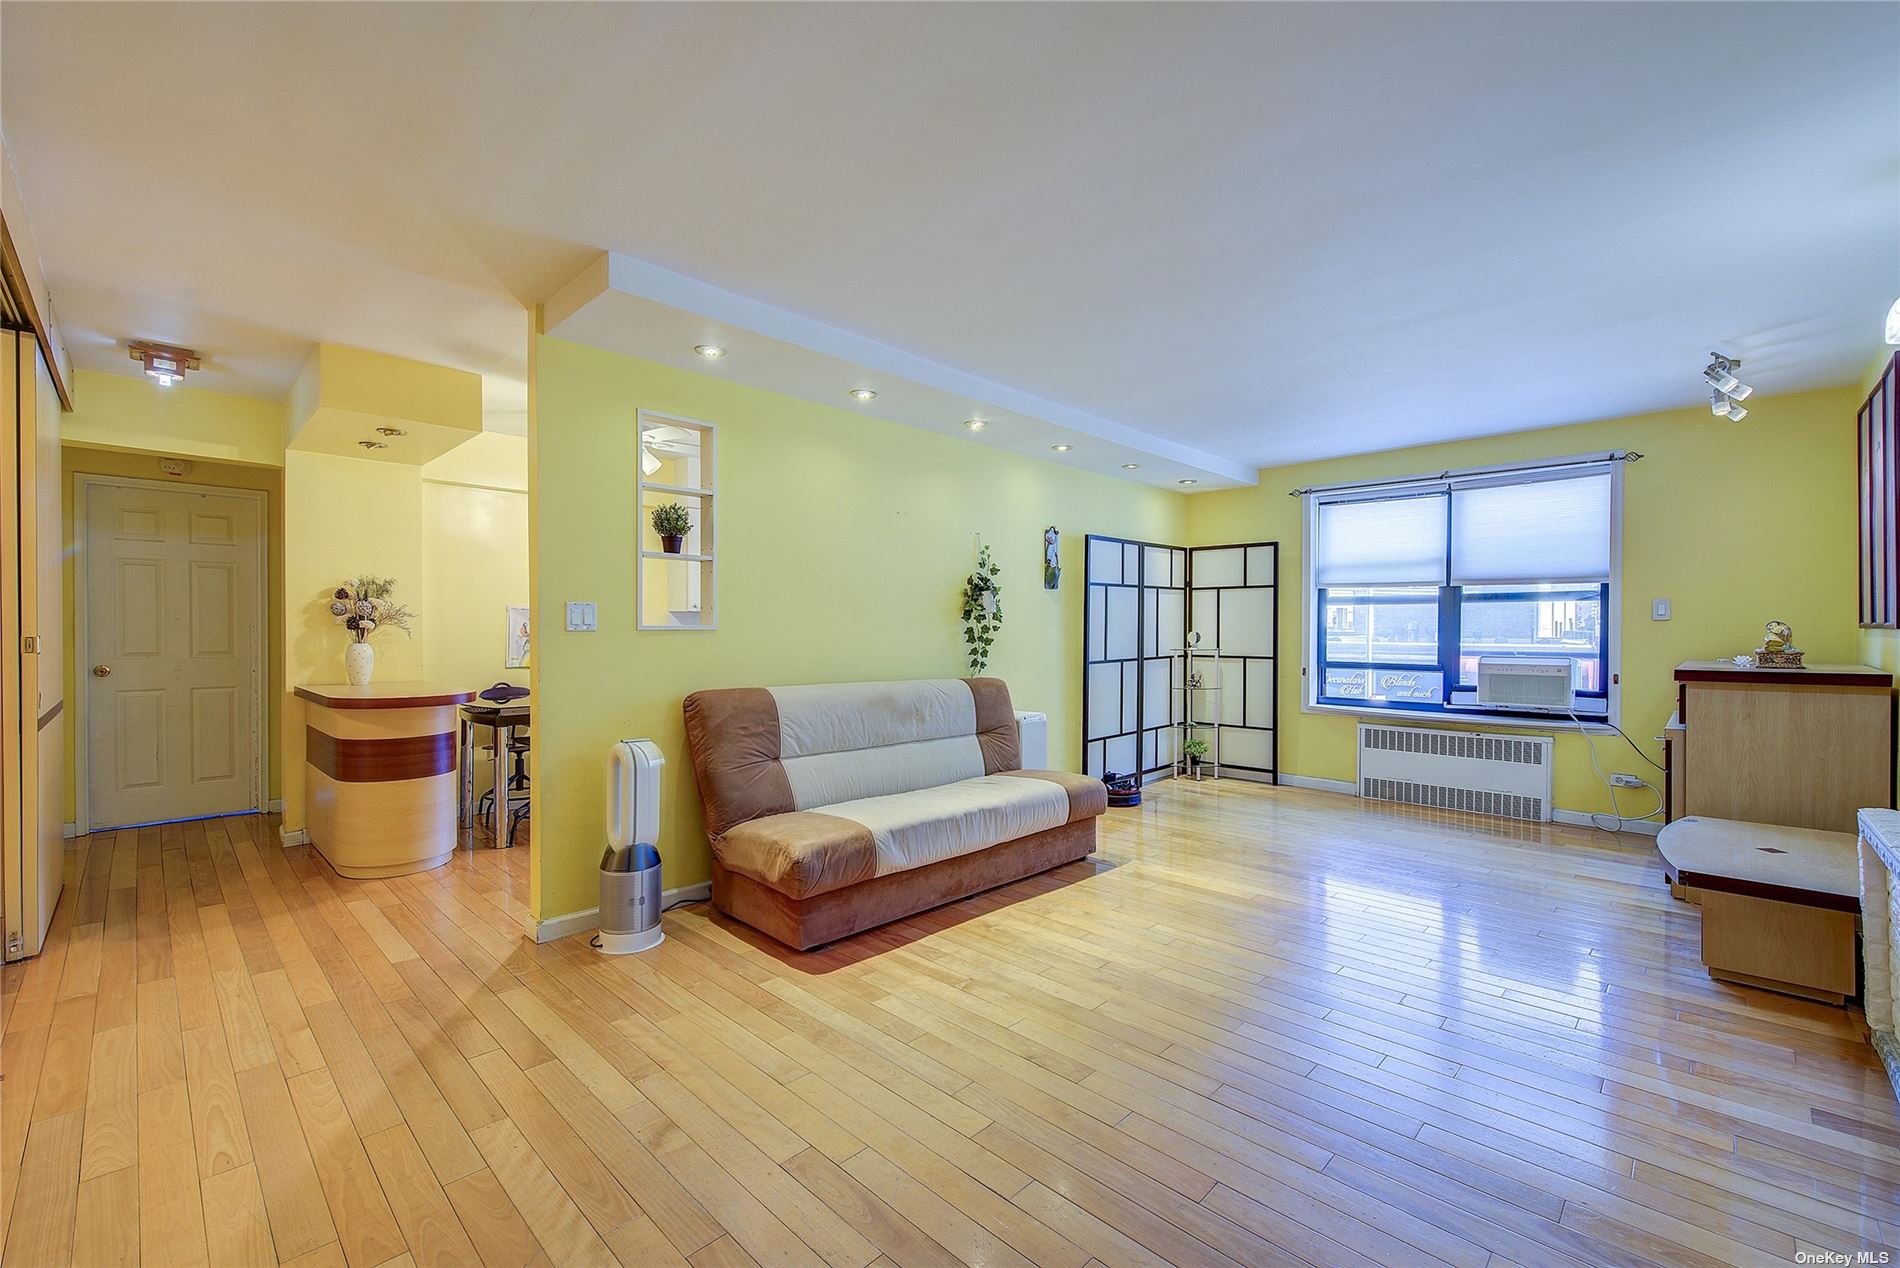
<point>84,482</point>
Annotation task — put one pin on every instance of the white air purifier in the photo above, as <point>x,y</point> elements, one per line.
<point>630,901</point>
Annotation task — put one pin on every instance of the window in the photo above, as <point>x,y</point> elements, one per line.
<point>1414,583</point>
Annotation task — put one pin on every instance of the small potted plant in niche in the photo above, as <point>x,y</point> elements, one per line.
<point>1194,751</point>
<point>672,523</point>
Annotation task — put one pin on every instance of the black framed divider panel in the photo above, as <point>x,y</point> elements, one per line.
<point>1143,597</point>
<point>1136,590</point>
<point>1234,599</point>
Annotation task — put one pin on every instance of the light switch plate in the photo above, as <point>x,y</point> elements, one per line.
<point>1659,609</point>
<point>582,617</point>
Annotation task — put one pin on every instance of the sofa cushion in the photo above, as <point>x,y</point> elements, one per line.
<point>801,853</point>
<point>813,852</point>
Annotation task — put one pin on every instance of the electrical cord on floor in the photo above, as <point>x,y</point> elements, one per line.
<point>1616,811</point>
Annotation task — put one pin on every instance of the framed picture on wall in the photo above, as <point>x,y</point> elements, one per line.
<point>519,639</point>
<point>1880,502</point>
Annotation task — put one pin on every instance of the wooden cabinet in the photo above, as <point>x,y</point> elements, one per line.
<point>1805,748</point>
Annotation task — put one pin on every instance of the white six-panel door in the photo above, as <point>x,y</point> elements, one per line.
<point>171,662</point>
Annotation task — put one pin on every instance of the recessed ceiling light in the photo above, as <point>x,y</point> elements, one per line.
<point>1062,448</point>
<point>1131,466</point>
<point>975,424</point>
<point>1187,481</point>
<point>710,351</point>
<point>863,394</point>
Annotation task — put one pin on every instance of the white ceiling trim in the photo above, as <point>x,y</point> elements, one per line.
<point>627,305</point>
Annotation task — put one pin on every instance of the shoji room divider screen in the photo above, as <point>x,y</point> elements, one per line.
<point>1143,600</point>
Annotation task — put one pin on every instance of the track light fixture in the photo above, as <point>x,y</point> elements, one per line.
<point>1721,377</point>
<point>1724,406</point>
<point>1726,392</point>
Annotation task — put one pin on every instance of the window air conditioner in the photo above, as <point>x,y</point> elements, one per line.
<point>1545,684</point>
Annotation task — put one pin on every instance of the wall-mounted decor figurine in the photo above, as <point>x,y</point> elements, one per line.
<point>1051,558</point>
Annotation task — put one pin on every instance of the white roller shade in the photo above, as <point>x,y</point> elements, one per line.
<point>1524,533</point>
<point>1381,542</point>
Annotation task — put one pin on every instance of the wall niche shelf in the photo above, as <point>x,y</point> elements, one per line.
<point>673,462</point>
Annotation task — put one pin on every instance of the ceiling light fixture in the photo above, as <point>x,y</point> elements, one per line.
<point>1720,377</point>
<point>164,364</point>
<point>372,444</point>
<point>1062,448</point>
<point>1187,481</point>
<point>1727,392</point>
<point>1893,323</point>
<point>1131,466</point>
<point>391,431</point>
<point>975,424</point>
<point>863,394</point>
<point>710,351</point>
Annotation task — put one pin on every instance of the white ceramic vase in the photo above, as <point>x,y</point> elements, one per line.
<point>359,662</point>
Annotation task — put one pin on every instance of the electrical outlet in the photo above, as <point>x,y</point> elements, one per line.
<point>1627,781</point>
<point>1659,609</point>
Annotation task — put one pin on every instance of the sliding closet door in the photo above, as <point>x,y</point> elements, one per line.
<point>1234,605</point>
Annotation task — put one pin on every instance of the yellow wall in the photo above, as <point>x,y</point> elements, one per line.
<point>116,411</point>
<point>1737,524</point>
<point>474,560</point>
<point>77,460</point>
<point>843,542</point>
<point>343,517</point>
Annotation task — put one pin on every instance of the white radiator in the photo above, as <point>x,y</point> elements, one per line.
<point>1503,775</point>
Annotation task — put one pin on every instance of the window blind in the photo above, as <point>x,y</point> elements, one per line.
<point>1524,533</point>
<point>1388,541</point>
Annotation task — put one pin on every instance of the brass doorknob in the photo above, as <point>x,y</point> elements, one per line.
<point>101,671</point>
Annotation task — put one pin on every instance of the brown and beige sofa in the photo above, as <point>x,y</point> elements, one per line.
<point>835,808</point>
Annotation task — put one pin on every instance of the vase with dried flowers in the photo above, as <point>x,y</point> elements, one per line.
<point>362,606</point>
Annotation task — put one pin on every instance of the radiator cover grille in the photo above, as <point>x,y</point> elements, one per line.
<point>1502,775</point>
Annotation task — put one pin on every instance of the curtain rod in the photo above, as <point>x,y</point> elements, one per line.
<point>1583,460</point>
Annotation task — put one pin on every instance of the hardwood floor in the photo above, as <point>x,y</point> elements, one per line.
<point>1262,1027</point>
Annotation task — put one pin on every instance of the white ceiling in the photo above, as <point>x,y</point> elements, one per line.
<point>1264,232</point>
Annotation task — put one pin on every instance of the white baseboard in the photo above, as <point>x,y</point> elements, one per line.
<point>69,830</point>
<point>275,806</point>
<point>1320,785</point>
<point>582,921</point>
<point>293,836</point>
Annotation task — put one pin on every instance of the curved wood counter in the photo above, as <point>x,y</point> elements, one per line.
<point>379,775</point>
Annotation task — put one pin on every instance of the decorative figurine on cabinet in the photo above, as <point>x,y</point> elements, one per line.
<point>1051,563</point>
<point>1777,650</point>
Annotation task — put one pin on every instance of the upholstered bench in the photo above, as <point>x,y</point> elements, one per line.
<point>1780,906</point>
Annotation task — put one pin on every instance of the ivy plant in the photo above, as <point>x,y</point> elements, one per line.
<point>982,611</point>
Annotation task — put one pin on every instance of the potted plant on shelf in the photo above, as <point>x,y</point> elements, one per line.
<point>362,606</point>
<point>1194,751</point>
<point>672,523</point>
